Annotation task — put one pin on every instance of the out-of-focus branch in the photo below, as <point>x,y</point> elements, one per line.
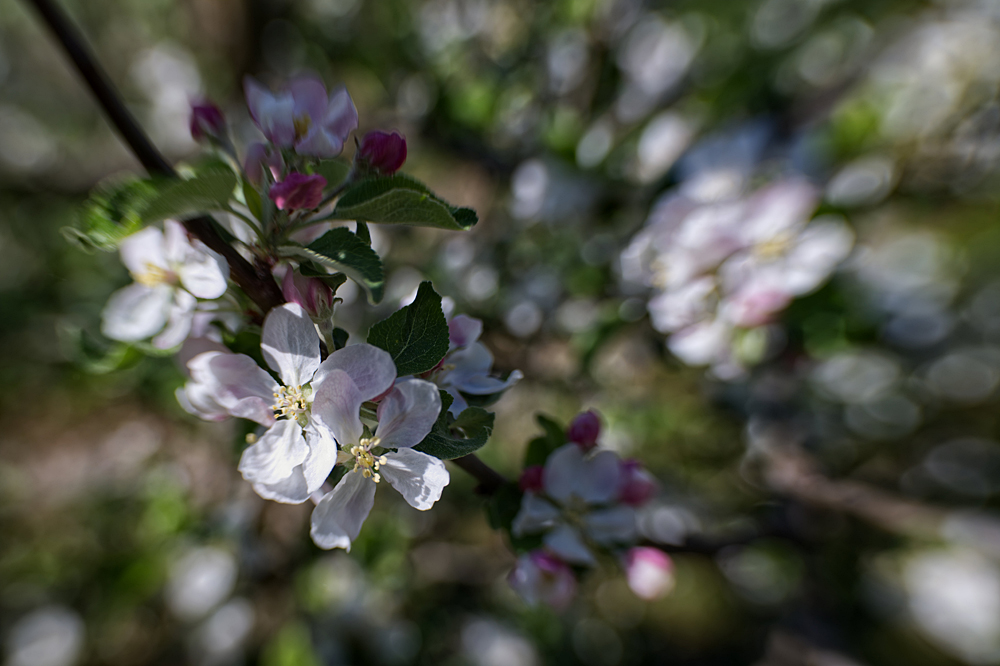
<point>259,285</point>
<point>490,481</point>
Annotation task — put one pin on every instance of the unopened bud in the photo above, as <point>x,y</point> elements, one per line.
<point>207,121</point>
<point>584,430</point>
<point>298,191</point>
<point>532,479</point>
<point>637,486</point>
<point>383,151</point>
<point>312,294</point>
<point>649,571</point>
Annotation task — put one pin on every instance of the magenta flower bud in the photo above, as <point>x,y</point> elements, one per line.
<point>649,572</point>
<point>584,430</point>
<point>532,479</point>
<point>207,121</point>
<point>637,486</point>
<point>312,294</point>
<point>298,191</point>
<point>539,577</point>
<point>382,151</point>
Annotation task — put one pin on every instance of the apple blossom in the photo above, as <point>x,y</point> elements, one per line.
<point>311,293</point>
<point>405,417</point>
<point>298,191</point>
<point>382,151</point>
<point>540,577</point>
<point>577,506</point>
<point>171,273</point>
<point>259,156</point>
<point>649,572</point>
<point>302,116</point>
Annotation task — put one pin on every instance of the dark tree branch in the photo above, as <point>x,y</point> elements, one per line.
<point>256,283</point>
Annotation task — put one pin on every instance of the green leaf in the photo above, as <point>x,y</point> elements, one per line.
<point>399,199</point>
<point>253,201</point>
<point>113,212</point>
<point>342,251</point>
<point>416,336</point>
<point>453,438</point>
<point>335,171</point>
<point>210,189</point>
<point>314,270</point>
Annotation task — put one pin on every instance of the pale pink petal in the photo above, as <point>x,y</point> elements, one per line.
<point>237,383</point>
<point>203,272</point>
<point>565,542</point>
<point>418,477</point>
<point>609,526</point>
<point>703,343</point>
<point>337,519</point>
<point>321,459</point>
<point>464,330</point>
<point>341,116</point>
<point>143,249</point>
<point>273,114</point>
<point>136,312</point>
<point>370,368</point>
<point>536,514</point>
<point>406,415</point>
<point>600,478</point>
<point>336,406</point>
<point>650,572</point>
<point>290,344</point>
<point>178,322</point>
<point>309,94</point>
<point>563,471</point>
<point>319,143</point>
<point>290,490</point>
<point>197,400</point>
<point>275,454</point>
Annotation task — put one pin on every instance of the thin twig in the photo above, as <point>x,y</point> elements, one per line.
<point>490,481</point>
<point>259,285</point>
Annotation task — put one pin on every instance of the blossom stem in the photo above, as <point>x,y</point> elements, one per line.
<point>490,481</point>
<point>258,285</point>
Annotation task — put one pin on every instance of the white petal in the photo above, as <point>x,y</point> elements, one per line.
<point>565,542</point>
<point>563,472</point>
<point>458,403</point>
<point>237,383</point>
<point>179,321</point>
<point>703,343</point>
<point>290,344</point>
<point>370,368</point>
<point>817,251</point>
<point>473,360</point>
<point>203,272</point>
<point>336,406</point>
<point>536,514</point>
<point>418,477</point>
<point>337,519</point>
<point>486,385</point>
<point>614,525</point>
<point>196,399</point>
<point>273,457</point>
<point>136,312</point>
<point>464,330</point>
<point>600,478</point>
<point>321,459</point>
<point>290,490</point>
<point>408,413</point>
<point>272,113</point>
<point>143,249</point>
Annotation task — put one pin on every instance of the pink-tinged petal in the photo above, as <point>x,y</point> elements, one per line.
<point>341,116</point>
<point>298,191</point>
<point>408,413</point>
<point>536,514</point>
<point>464,330</point>
<point>610,526</point>
<point>204,272</point>
<point>779,209</point>
<point>253,163</point>
<point>319,143</point>
<point>756,303</point>
<point>142,250</point>
<point>703,343</point>
<point>237,383</point>
<point>370,368</point>
<point>321,459</point>
<point>309,94</point>
<point>176,243</point>
<point>458,402</point>
<point>336,406</point>
<point>383,151</point>
<point>178,322</point>
<point>565,542</point>
<point>650,572</point>
<point>197,400</point>
<point>193,346</point>
<point>564,471</point>
<point>601,478</point>
<point>290,490</point>
<point>539,577</point>
<point>275,455</point>
<point>684,305</point>
<point>337,519</point>
<point>418,477</point>
<point>584,429</point>
<point>273,114</point>
<point>819,248</point>
<point>290,344</point>
<point>472,361</point>
<point>136,312</point>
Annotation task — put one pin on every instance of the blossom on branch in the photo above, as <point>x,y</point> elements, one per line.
<point>298,191</point>
<point>382,151</point>
<point>540,577</point>
<point>171,273</point>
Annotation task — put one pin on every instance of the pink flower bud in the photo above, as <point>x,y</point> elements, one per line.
<point>298,191</point>
<point>532,479</point>
<point>649,571</point>
<point>637,486</point>
<point>584,430</point>
<point>206,121</point>
<point>382,151</point>
<point>539,577</point>
<point>312,294</point>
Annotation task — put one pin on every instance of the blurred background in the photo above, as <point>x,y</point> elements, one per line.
<point>128,537</point>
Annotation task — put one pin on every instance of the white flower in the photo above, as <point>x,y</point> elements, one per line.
<point>171,272</point>
<point>577,505</point>
<point>467,366</point>
<point>296,454</point>
<point>405,417</point>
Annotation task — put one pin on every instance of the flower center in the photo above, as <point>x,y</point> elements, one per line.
<point>302,125</point>
<point>290,402</point>
<point>364,460</point>
<point>773,248</point>
<point>153,276</point>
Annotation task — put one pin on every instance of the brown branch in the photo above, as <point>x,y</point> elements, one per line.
<point>258,285</point>
<point>490,481</point>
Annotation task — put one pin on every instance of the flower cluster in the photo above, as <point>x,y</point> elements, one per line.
<point>725,268</point>
<point>582,502</point>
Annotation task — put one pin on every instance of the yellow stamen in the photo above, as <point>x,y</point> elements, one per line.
<point>364,461</point>
<point>290,402</point>
<point>153,276</point>
<point>302,125</point>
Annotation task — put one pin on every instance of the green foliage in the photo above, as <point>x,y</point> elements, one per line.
<point>416,336</point>
<point>341,250</point>
<point>209,189</point>
<point>456,437</point>
<point>313,270</point>
<point>340,337</point>
<point>335,171</point>
<point>540,448</point>
<point>400,199</point>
